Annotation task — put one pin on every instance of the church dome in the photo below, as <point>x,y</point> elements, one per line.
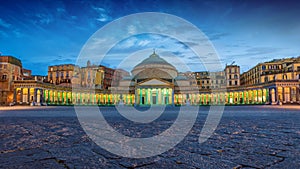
<point>154,62</point>
<point>154,59</point>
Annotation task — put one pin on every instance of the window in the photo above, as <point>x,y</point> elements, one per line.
<point>266,79</point>
<point>229,76</point>
<point>235,82</point>
<point>298,68</point>
<point>230,83</point>
<point>56,74</point>
<point>4,66</point>
<point>235,76</point>
<point>4,77</point>
<point>284,77</point>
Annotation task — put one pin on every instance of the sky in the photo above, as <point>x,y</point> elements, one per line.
<point>43,33</point>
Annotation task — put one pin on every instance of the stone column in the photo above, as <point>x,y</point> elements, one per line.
<point>297,94</point>
<point>28,96</point>
<point>141,95</point>
<point>35,95</point>
<point>257,96</point>
<point>291,94</point>
<point>273,95</point>
<point>42,96</point>
<point>173,98</point>
<point>276,94</point>
<point>243,98</point>
<point>151,101</point>
<point>21,95</point>
<point>15,96</point>
<point>283,95</point>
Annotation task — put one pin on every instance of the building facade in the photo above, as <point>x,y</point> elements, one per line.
<point>154,81</point>
<point>10,70</point>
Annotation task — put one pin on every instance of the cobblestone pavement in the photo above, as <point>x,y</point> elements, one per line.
<point>247,137</point>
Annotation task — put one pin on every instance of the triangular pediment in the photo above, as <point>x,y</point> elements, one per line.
<point>154,82</point>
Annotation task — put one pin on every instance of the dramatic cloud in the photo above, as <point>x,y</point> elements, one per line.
<point>246,32</point>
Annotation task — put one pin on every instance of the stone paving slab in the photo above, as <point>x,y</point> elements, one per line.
<point>256,138</point>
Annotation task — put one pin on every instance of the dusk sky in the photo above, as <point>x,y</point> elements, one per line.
<point>43,33</point>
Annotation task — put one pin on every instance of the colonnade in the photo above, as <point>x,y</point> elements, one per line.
<point>28,95</point>
<point>284,94</point>
<point>257,96</point>
<point>86,98</point>
<point>154,96</point>
<point>157,96</point>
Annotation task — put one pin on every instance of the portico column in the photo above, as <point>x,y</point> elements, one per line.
<point>53,93</point>
<point>283,95</point>
<point>21,95</point>
<point>48,99</point>
<point>274,92</point>
<point>28,95</point>
<point>95,102</point>
<point>228,98</point>
<point>290,95</point>
<point>167,95</point>
<point>253,97</point>
<point>141,96</point>
<point>146,90</point>
<point>80,99</point>
<point>173,97</point>
<point>257,100</point>
<point>200,99</point>
<point>151,101</point>
<point>298,94</point>
<point>15,96</point>
<point>243,97</point>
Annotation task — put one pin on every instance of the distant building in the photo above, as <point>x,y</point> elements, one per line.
<point>10,70</point>
<point>232,73</point>
<point>60,74</point>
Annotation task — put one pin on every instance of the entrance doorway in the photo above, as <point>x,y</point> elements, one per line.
<point>153,99</point>
<point>143,100</point>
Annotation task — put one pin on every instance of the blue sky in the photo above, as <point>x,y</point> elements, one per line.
<point>43,33</point>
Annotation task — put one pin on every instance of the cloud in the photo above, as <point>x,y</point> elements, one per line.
<point>4,24</point>
<point>43,18</point>
<point>254,51</point>
<point>102,14</point>
<point>217,36</point>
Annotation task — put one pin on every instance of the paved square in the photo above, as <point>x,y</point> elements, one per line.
<point>247,137</point>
